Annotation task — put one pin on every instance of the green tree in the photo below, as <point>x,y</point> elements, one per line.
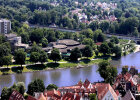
<point>87,32</point>
<point>44,42</point>
<point>20,56</point>
<point>55,55</point>
<point>104,26</point>
<point>5,94</point>
<point>104,48</point>
<point>124,69</point>
<point>43,57</point>
<point>51,87</point>
<point>107,72</point>
<point>34,57</point>
<point>36,35</point>
<point>92,97</point>
<point>118,51</point>
<point>6,60</point>
<point>35,48</point>
<point>21,87</point>
<point>87,52</point>
<point>88,41</point>
<point>114,39</point>
<point>36,86</point>
<point>75,54</point>
<point>94,25</point>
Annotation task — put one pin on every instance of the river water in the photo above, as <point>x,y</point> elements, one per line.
<point>67,77</point>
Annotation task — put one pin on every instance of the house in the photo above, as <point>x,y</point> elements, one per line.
<point>126,82</point>
<point>5,26</point>
<point>103,91</point>
<point>16,96</point>
<point>15,41</point>
<point>128,96</point>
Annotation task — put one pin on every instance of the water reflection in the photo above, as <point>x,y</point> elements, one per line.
<point>66,77</point>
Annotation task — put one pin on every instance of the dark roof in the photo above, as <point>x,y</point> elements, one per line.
<point>68,42</point>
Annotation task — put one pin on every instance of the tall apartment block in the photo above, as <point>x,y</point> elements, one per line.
<point>5,26</point>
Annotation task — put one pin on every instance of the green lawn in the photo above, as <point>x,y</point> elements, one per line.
<point>50,65</point>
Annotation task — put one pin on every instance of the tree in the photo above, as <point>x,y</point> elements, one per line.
<point>36,86</point>
<point>87,32</point>
<point>51,87</point>
<point>118,51</point>
<point>75,54</point>
<point>35,48</point>
<point>104,48</point>
<point>88,41</point>
<point>5,49</point>
<point>87,52</point>
<point>21,87</point>
<point>104,26</point>
<point>92,97</point>
<point>36,35</point>
<point>43,57</point>
<point>5,94</point>
<point>94,25</point>
<point>20,56</point>
<point>34,57</point>
<point>44,42</point>
<point>55,55</point>
<point>107,72</point>
<point>124,69</point>
<point>96,36</point>
<point>101,37</point>
<point>6,60</point>
<point>114,39</point>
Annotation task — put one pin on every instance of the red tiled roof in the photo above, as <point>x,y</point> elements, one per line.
<point>99,43</point>
<point>86,83</point>
<point>68,96</point>
<point>138,87</point>
<point>80,83</point>
<point>16,96</point>
<point>117,92</point>
<point>31,98</point>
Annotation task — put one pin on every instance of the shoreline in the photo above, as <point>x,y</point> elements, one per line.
<point>83,65</point>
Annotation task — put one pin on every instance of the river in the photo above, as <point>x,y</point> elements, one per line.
<point>67,77</point>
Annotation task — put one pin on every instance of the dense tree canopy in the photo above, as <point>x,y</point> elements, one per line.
<point>36,86</point>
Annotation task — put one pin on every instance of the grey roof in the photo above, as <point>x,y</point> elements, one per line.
<point>128,96</point>
<point>68,42</point>
<point>10,35</point>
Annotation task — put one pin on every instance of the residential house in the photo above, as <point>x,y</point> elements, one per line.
<point>16,96</point>
<point>126,82</point>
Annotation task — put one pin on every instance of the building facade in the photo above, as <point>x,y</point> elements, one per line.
<point>5,26</point>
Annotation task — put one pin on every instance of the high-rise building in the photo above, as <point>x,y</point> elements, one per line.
<point>5,26</point>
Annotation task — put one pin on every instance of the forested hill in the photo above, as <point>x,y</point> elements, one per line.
<point>68,13</point>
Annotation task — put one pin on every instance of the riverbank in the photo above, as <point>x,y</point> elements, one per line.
<point>48,66</point>
<point>137,48</point>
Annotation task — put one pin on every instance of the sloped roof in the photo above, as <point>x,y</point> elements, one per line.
<point>31,98</point>
<point>86,83</point>
<point>103,88</point>
<point>128,96</point>
<point>16,96</point>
